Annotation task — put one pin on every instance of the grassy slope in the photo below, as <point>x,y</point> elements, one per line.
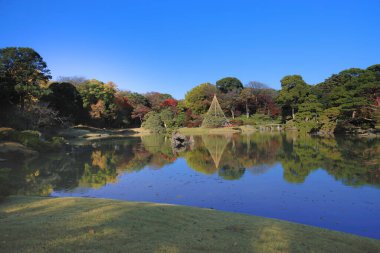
<point>34,224</point>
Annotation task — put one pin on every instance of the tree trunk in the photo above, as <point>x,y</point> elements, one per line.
<point>232,114</point>
<point>247,109</point>
<point>353,114</point>
<point>22,103</point>
<point>293,115</point>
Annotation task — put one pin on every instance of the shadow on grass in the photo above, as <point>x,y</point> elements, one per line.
<point>97,225</point>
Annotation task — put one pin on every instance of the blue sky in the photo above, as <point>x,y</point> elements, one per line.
<point>172,46</point>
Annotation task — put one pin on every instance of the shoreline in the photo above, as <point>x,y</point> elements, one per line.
<point>49,224</point>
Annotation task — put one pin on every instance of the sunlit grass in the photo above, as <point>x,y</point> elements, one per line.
<point>34,224</point>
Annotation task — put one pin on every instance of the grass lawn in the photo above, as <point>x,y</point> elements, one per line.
<point>37,224</point>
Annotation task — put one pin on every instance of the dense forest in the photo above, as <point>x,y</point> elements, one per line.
<point>345,102</point>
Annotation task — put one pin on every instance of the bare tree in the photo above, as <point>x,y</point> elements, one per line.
<point>75,80</point>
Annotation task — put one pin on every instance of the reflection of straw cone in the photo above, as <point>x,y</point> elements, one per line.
<point>215,145</point>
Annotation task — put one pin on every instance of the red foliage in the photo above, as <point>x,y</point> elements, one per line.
<point>122,102</point>
<point>274,109</point>
<point>169,102</point>
<point>194,123</point>
<point>139,112</point>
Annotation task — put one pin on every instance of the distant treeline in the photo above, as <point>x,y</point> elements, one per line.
<point>347,101</point>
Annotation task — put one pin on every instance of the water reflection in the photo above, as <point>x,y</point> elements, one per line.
<point>353,161</point>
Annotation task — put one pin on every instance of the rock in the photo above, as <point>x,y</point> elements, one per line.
<point>14,147</point>
<point>180,141</point>
<point>6,133</point>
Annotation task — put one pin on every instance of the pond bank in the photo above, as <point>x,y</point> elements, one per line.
<point>38,224</point>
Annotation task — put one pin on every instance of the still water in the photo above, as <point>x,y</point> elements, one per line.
<point>331,183</point>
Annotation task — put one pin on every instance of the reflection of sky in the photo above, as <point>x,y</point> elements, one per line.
<point>320,200</point>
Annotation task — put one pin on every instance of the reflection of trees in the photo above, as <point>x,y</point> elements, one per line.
<point>160,149</point>
<point>230,155</point>
<point>199,159</point>
<point>100,171</point>
<point>354,161</point>
<point>229,173</point>
<point>87,166</point>
<point>43,174</point>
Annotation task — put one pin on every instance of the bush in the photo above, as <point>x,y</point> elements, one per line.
<point>213,121</point>
<point>237,122</point>
<point>194,123</point>
<point>153,122</point>
<point>57,142</point>
<point>30,139</point>
<point>310,126</point>
<point>258,119</point>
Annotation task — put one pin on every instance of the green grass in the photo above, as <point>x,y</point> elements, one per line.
<point>36,224</point>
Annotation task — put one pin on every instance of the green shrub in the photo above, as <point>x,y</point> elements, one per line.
<point>153,122</point>
<point>57,142</point>
<point>310,126</point>
<point>30,139</point>
<point>213,121</point>
<point>259,119</point>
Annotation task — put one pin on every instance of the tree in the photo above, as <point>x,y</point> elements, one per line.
<point>168,118</point>
<point>124,109</point>
<point>264,98</point>
<point>22,71</point>
<point>257,85</point>
<point>246,98</point>
<point>353,90</point>
<point>170,102</point>
<point>308,114</point>
<point>98,110</point>
<point>140,106</point>
<point>228,84</point>
<point>94,91</point>
<point>230,101</point>
<point>74,80</point>
<point>153,122</point>
<point>155,99</point>
<point>39,115</point>
<point>140,111</point>
<point>293,92</point>
<point>65,99</point>
<point>199,98</point>
<point>135,98</point>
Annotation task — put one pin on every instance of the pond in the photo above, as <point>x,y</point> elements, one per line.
<point>326,182</point>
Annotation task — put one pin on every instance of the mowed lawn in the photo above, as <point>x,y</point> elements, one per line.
<point>37,224</point>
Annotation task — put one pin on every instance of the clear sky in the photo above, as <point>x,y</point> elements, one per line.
<point>171,46</point>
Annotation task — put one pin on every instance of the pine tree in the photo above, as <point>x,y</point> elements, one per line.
<point>215,116</point>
